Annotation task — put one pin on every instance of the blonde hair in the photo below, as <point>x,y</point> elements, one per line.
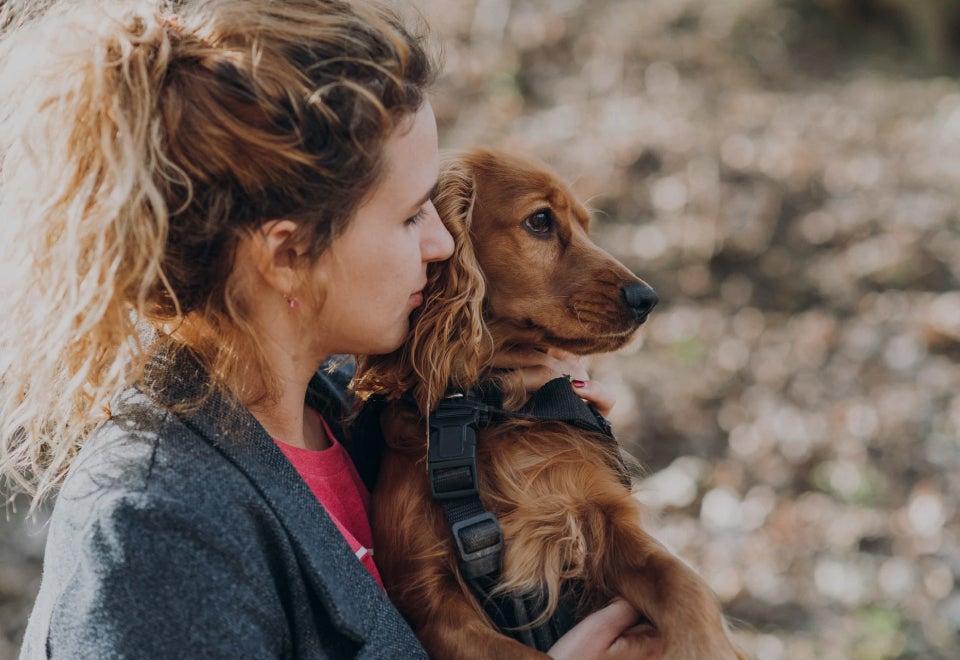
<point>136,148</point>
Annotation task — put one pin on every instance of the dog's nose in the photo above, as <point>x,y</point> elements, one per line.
<point>640,298</point>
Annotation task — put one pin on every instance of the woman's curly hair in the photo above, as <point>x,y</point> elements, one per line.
<point>137,146</point>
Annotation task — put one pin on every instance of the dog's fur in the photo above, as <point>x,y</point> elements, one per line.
<point>564,511</point>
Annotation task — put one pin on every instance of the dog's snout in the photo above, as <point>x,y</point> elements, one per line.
<point>640,298</point>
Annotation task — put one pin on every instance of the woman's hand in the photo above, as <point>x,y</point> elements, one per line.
<point>536,368</point>
<point>612,632</point>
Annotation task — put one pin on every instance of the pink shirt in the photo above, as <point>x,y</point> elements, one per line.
<point>332,477</point>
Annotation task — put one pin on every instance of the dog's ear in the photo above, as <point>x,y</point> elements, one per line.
<point>449,345</point>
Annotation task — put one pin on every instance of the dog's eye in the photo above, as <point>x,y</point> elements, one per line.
<point>540,222</point>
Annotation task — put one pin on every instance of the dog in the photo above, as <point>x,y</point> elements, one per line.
<point>524,275</point>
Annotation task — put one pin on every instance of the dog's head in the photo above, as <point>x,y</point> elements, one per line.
<point>547,283</point>
<point>524,274</point>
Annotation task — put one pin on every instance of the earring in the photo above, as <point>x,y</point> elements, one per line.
<point>291,301</point>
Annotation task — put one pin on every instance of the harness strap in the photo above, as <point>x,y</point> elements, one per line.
<point>514,614</point>
<point>452,474</point>
<point>557,401</point>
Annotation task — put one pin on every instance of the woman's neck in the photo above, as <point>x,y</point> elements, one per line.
<point>285,415</point>
<point>288,419</point>
<point>290,352</point>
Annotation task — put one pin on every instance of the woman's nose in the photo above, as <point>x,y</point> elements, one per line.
<point>436,243</point>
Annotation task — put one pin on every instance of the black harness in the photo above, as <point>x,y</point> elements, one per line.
<point>452,472</point>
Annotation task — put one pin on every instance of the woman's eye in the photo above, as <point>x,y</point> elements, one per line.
<point>414,219</point>
<point>540,222</point>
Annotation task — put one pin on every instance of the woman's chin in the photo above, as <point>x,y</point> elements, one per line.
<point>390,342</point>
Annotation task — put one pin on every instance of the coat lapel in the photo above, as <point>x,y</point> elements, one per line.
<point>345,588</point>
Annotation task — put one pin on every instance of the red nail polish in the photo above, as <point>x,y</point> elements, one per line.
<point>578,383</point>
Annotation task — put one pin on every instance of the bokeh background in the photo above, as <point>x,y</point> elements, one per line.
<point>785,173</point>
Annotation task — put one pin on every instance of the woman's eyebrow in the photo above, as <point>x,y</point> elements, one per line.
<point>430,193</point>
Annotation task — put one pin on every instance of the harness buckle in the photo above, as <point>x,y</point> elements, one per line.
<point>452,479</point>
<point>452,453</point>
<point>479,541</point>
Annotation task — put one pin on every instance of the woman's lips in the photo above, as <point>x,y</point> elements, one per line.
<point>417,298</point>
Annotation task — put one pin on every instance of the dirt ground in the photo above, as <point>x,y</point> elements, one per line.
<point>785,174</point>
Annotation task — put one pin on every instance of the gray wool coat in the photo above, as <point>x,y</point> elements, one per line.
<point>189,535</point>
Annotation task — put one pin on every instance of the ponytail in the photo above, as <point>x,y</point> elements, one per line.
<point>136,147</point>
<point>83,226</point>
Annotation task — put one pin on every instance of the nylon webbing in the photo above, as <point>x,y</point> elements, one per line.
<point>452,472</point>
<point>558,402</point>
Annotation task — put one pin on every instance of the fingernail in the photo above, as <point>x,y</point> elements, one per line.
<point>578,383</point>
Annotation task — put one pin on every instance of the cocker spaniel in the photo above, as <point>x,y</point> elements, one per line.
<point>524,275</point>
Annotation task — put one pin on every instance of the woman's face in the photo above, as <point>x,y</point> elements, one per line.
<point>373,273</point>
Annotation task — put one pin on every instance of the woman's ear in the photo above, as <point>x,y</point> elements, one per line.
<point>275,257</point>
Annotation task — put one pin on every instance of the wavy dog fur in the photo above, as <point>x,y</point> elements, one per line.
<point>524,274</point>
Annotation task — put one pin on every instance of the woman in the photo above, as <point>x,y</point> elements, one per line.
<point>198,210</point>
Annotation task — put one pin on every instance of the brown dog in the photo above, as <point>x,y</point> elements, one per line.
<point>524,274</point>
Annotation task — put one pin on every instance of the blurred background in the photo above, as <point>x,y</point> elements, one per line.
<point>785,173</point>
